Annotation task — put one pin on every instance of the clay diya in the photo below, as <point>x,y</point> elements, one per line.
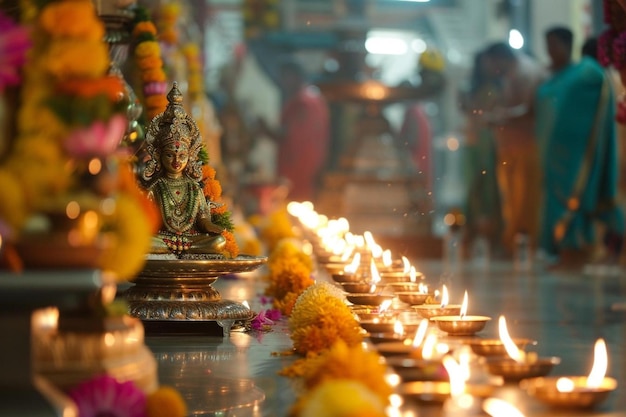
<point>462,324</point>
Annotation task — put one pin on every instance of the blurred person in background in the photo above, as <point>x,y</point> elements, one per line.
<point>576,127</point>
<point>483,211</point>
<point>512,120</point>
<point>303,135</point>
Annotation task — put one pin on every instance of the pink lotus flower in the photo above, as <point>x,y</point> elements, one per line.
<point>99,139</point>
<point>105,396</point>
<point>14,43</point>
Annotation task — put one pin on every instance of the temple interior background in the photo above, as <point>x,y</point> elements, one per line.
<point>480,142</point>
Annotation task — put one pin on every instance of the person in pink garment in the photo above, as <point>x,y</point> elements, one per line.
<point>303,135</point>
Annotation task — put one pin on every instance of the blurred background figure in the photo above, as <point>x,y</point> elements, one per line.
<point>576,127</point>
<point>483,211</point>
<point>303,135</point>
<point>512,119</point>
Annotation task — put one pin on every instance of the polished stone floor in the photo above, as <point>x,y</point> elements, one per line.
<point>565,312</point>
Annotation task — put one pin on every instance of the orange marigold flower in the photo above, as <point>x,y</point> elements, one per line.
<point>144,27</point>
<point>77,58</point>
<point>208,172</point>
<point>169,36</point>
<point>112,87</point>
<point>149,62</point>
<point>231,248</point>
<point>165,402</point>
<point>286,304</point>
<point>212,189</point>
<point>72,19</point>
<point>221,209</point>
<point>148,48</point>
<point>153,75</point>
<point>157,101</point>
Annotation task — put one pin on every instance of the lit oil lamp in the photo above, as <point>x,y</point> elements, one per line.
<point>428,311</point>
<point>371,297</point>
<point>461,325</point>
<point>349,272</point>
<point>402,273</point>
<point>575,391</point>
<point>415,298</point>
<point>496,407</point>
<point>519,364</point>
<point>382,322</point>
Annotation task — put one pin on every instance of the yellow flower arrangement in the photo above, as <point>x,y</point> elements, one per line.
<point>344,362</point>
<point>339,398</point>
<point>276,227</point>
<point>165,402</point>
<point>285,305</point>
<point>66,74</point>
<point>319,319</point>
<point>433,60</point>
<point>147,49</point>
<point>290,248</point>
<point>144,27</point>
<point>169,14</point>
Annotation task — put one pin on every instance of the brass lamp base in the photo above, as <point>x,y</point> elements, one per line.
<point>172,294</point>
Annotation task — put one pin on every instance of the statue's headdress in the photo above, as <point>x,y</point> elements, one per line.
<point>174,125</point>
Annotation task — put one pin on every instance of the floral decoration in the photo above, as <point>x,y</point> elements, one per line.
<point>219,210</point>
<point>147,54</point>
<point>274,228</point>
<point>289,274</point>
<point>319,319</point>
<point>265,319</point>
<point>165,402</point>
<point>71,112</point>
<point>14,43</point>
<point>105,396</point>
<point>168,18</point>
<point>339,398</point>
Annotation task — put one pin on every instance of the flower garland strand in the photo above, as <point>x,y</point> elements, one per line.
<point>147,55</point>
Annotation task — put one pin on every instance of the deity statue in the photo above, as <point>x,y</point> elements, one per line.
<point>172,178</point>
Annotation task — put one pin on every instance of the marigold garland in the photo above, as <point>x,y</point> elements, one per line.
<point>147,54</point>
<point>319,319</point>
<point>66,90</point>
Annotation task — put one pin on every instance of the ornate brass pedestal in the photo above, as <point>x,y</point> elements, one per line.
<point>176,296</point>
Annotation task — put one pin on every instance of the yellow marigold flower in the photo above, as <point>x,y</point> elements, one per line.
<point>169,36</point>
<point>165,402</point>
<point>12,201</point>
<point>144,27</point>
<point>152,75</point>
<point>131,239</point>
<point>433,60</point>
<point>276,227</point>
<point>148,48</point>
<point>149,62</point>
<point>292,249</point>
<point>339,398</point>
<point>72,19</point>
<point>288,275</point>
<point>69,58</point>
<point>319,319</point>
<point>354,363</point>
<point>191,50</point>
<point>286,304</point>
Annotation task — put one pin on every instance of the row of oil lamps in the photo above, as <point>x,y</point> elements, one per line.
<point>429,342</point>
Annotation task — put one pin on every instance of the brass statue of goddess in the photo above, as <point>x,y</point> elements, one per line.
<point>172,176</point>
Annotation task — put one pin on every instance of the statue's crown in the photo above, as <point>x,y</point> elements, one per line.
<point>174,124</point>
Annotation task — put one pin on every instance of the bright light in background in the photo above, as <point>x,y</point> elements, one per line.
<point>516,40</point>
<point>418,45</point>
<point>385,45</point>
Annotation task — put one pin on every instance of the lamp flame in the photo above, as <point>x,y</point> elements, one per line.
<point>496,407</point>
<point>377,251</point>
<point>516,354</point>
<point>347,253</point>
<point>463,311</point>
<point>387,258</point>
<point>245,304</point>
<point>373,288</point>
<point>445,298</point>
<point>412,274</point>
<point>565,384</point>
<point>398,328</point>
<point>374,272</point>
<point>600,364</point>
<point>457,382</point>
<point>384,306</point>
<point>354,265</point>
<point>420,333</point>
<point>406,265</point>
<point>423,288</point>
<point>369,239</point>
<point>428,347</point>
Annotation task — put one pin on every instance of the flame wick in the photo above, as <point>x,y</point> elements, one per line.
<point>600,364</point>
<point>463,311</point>
<point>445,298</point>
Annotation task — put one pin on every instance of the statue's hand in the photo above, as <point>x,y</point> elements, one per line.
<point>209,226</point>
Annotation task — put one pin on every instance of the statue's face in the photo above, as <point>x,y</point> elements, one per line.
<point>175,157</point>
